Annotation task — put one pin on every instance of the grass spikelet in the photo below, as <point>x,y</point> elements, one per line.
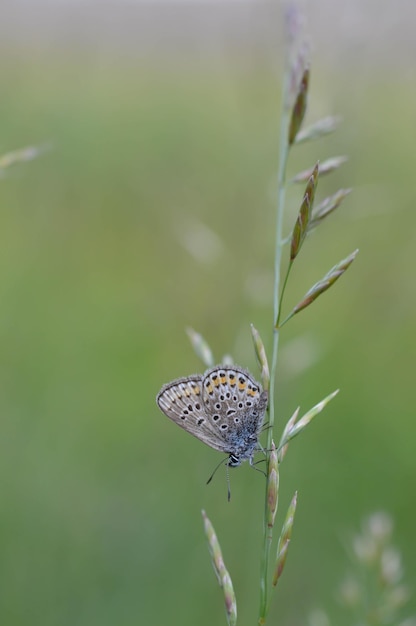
<point>302,222</point>
<point>299,108</point>
<point>201,347</point>
<point>223,577</point>
<point>327,206</point>
<point>322,285</point>
<point>283,446</point>
<point>319,129</point>
<point>284,540</point>
<point>272,487</point>
<point>307,418</point>
<point>261,357</point>
<point>326,167</point>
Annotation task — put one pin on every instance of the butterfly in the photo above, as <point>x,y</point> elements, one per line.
<point>224,408</point>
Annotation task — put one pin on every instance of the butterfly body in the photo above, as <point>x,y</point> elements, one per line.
<point>224,408</point>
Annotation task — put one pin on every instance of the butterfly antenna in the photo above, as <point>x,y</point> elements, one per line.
<point>215,470</point>
<point>228,483</point>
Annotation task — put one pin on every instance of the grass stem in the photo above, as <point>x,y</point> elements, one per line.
<point>281,193</point>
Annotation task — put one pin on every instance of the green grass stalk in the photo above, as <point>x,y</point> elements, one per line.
<point>281,193</point>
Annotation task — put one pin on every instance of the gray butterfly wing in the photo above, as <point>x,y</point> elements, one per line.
<point>182,401</point>
<point>235,404</point>
<point>229,390</point>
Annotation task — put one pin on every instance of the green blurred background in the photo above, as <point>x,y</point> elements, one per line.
<point>153,211</point>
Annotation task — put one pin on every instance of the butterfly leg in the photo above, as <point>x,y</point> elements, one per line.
<point>253,465</point>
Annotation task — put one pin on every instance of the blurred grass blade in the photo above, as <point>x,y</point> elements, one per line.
<point>322,285</point>
<point>376,587</point>
<point>284,540</point>
<point>321,128</point>
<point>298,50</point>
<point>324,168</point>
<point>306,419</point>
<point>221,572</point>
<point>21,156</point>
<point>299,108</point>
<point>327,206</point>
<point>283,447</point>
<point>201,347</point>
<point>261,357</point>
<point>227,359</point>
<point>302,222</point>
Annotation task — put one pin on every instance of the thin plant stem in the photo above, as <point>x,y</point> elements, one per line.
<point>277,323</point>
<point>281,192</point>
